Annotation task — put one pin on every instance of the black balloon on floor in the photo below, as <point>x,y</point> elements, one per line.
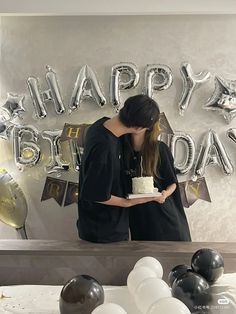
<point>81,295</point>
<point>208,263</point>
<point>192,290</point>
<point>178,271</point>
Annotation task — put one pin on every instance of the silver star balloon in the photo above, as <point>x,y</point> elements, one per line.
<point>5,128</point>
<point>14,105</point>
<point>223,99</point>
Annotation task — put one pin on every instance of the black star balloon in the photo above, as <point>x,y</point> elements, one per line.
<point>14,105</point>
<point>223,99</point>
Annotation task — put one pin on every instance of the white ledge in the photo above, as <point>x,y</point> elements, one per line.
<point>114,7</point>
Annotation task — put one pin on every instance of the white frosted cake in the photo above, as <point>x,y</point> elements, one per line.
<point>142,185</point>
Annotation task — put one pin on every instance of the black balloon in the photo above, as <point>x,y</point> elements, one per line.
<point>81,295</point>
<point>178,271</point>
<point>192,290</point>
<point>208,263</point>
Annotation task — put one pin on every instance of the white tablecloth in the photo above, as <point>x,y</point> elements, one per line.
<point>38,299</point>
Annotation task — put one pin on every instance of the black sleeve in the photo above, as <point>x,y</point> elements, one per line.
<point>166,166</point>
<point>97,179</point>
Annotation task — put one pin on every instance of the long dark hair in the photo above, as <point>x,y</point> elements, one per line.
<point>149,152</point>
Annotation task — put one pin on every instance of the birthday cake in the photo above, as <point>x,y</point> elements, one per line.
<point>142,185</point>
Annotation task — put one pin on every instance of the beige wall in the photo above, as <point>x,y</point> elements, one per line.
<point>28,44</point>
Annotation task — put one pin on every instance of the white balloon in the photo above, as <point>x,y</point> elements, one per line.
<point>149,291</point>
<point>137,275</point>
<point>109,308</point>
<point>152,263</point>
<point>168,306</point>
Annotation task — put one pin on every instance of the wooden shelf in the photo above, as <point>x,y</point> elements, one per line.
<point>54,262</point>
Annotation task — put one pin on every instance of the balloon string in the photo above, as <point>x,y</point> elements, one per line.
<point>22,232</point>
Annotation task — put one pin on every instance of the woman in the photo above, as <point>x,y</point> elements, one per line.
<point>154,221</point>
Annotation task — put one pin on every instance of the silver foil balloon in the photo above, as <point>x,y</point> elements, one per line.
<point>157,77</point>
<point>191,81</point>
<point>86,86</point>
<point>223,99</point>
<point>52,94</point>
<point>6,127</point>
<point>185,166</point>
<point>56,164</point>
<point>14,106</point>
<point>117,84</point>
<point>13,205</point>
<point>231,133</point>
<point>76,153</point>
<point>212,152</point>
<point>26,151</point>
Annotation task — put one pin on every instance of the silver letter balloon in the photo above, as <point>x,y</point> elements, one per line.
<point>52,94</point>
<point>56,164</point>
<point>117,84</point>
<point>212,152</point>
<point>86,86</point>
<point>26,152</point>
<point>191,81</point>
<point>157,77</point>
<point>185,166</point>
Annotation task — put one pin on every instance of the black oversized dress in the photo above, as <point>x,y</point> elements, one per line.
<point>100,177</point>
<point>154,221</point>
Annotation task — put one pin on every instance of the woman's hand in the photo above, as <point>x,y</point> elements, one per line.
<point>162,198</point>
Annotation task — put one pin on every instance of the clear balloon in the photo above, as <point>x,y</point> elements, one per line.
<point>118,71</point>
<point>56,164</point>
<point>109,308</point>
<point>81,294</point>
<point>168,306</point>
<point>191,81</point>
<point>231,133</point>
<point>86,86</point>
<point>208,263</point>
<point>152,263</point>
<point>137,275</point>
<point>26,152</point>
<point>157,77</point>
<point>14,106</point>
<point>13,205</point>
<point>185,166</point>
<point>223,99</point>
<point>212,152</point>
<point>52,94</point>
<point>149,291</point>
